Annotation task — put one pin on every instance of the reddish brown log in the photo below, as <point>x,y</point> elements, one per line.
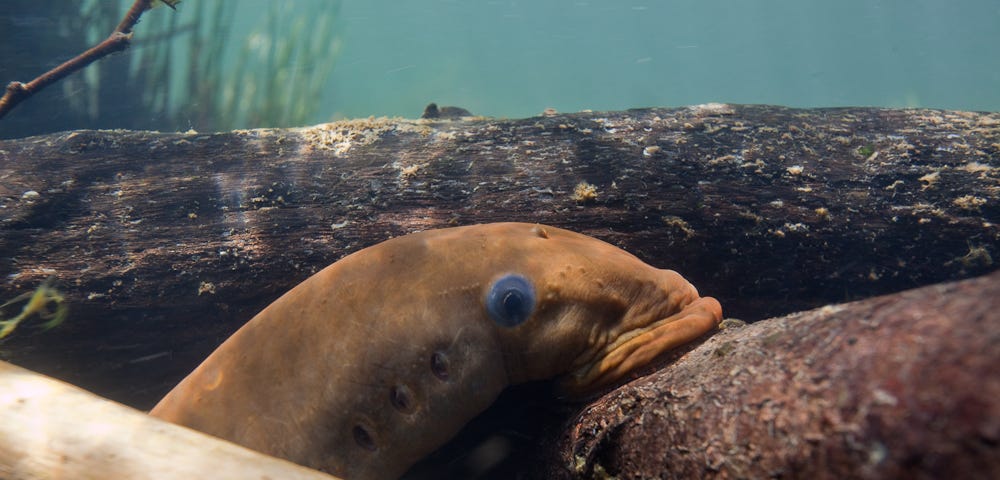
<point>899,386</point>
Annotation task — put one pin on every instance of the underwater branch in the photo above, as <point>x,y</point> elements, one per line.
<point>119,40</point>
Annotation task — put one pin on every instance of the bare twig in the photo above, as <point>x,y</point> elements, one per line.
<point>119,40</point>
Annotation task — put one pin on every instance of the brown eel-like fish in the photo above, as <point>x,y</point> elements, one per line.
<point>383,356</point>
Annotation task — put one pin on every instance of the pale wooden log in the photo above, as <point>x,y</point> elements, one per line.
<point>52,430</point>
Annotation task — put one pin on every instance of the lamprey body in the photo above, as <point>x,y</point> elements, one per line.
<point>383,356</point>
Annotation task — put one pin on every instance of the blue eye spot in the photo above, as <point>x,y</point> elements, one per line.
<point>510,300</point>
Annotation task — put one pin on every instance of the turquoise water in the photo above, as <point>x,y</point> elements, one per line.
<point>510,58</point>
<point>299,62</point>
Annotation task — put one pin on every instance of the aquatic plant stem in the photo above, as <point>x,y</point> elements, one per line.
<point>119,40</point>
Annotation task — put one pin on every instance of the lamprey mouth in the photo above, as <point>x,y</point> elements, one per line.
<point>638,347</point>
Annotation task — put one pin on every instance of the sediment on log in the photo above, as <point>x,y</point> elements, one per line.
<point>165,243</point>
<point>898,386</point>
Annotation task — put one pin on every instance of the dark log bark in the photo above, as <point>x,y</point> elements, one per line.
<point>166,243</point>
<point>899,386</point>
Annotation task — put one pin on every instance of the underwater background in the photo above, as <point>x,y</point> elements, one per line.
<point>218,64</point>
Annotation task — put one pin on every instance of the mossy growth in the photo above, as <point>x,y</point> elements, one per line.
<point>866,150</point>
<point>45,302</point>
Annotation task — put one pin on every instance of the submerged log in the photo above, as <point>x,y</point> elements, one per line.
<point>899,386</point>
<point>51,430</point>
<point>165,243</point>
